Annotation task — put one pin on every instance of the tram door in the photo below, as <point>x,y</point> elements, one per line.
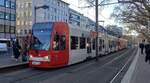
<point>89,47</point>
<point>60,49</point>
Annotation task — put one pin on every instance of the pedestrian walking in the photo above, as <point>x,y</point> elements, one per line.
<point>147,52</point>
<point>16,50</point>
<point>141,47</point>
<point>24,51</point>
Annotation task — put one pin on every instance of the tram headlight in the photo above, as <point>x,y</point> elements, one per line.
<point>30,57</point>
<point>46,58</point>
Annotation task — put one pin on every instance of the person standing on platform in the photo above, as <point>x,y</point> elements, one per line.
<point>142,47</point>
<point>24,51</point>
<point>26,46</point>
<point>147,52</point>
<point>16,49</point>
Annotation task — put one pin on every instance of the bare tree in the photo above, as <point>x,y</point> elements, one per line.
<point>91,3</point>
<point>135,14</point>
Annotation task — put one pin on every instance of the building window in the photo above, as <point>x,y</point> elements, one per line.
<point>25,31</point>
<point>7,4</point>
<point>30,13</point>
<point>2,15</point>
<point>30,23</point>
<point>58,3</point>
<point>1,28</point>
<point>26,5</point>
<point>18,14</point>
<point>18,22</point>
<point>30,5</point>
<point>12,30</point>
<point>13,17</point>
<point>22,14</point>
<point>2,2</point>
<point>13,5</point>
<point>7,16</point>
<point>30,31</point>
<point>55,18</point>
<point>22,5</point>
<point>22,23</point>
<point>55,10</point>
<point>26,23</point>
<point>7,28</point>
<point>21,32</point>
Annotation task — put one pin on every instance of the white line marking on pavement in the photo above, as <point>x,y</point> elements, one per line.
<point>120,70</point>
<point>128,75</point>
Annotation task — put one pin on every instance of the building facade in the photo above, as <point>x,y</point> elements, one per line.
<point>78,19</point>
<point>74,17</point>
<point>7,18</point>
<point>50,11</point>
<point>24,17</point>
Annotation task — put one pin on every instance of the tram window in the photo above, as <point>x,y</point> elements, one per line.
<point>74,42</point>
<point>94,44</point>
<point>62,42</point>
<point>103,44</point>
<point>82,43</point>
<point>59,42</point>
<point>89,49</point>
<point>100,44</point>
<point>56,42</point>
<point>113,43</point>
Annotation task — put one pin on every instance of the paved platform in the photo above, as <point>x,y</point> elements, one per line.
<point>139,71</point>
<point>6,60</point>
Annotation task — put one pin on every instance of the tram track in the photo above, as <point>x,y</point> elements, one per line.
<point>123,69</point>
<point>32,75</point>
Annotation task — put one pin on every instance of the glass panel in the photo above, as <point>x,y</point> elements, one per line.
<point>7,17</point>
<point>2,2</point>
<point>100,45</point>
<point>82,43</point>
<point>59,42</point>
<point>13,17</point>
<point>41,36</point>
<point>94,44</point>
<point>1,28</point>
<point>74,42</point>
<point>89,47</point>
<point>56,42</point>
<point>62,42</point>
<point>7,3</point>
<point>2,15</point>
<point>103,44</point>
<point>7,28</point>
<point>13,5</point>
<point>12,30</point>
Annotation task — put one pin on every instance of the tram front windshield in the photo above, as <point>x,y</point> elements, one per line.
<point>41,36</point>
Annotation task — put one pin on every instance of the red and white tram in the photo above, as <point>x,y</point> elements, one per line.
<point>58,44</point>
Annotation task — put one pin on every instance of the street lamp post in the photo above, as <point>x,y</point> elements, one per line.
<point>35,8</point>
<point>96,28</point>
